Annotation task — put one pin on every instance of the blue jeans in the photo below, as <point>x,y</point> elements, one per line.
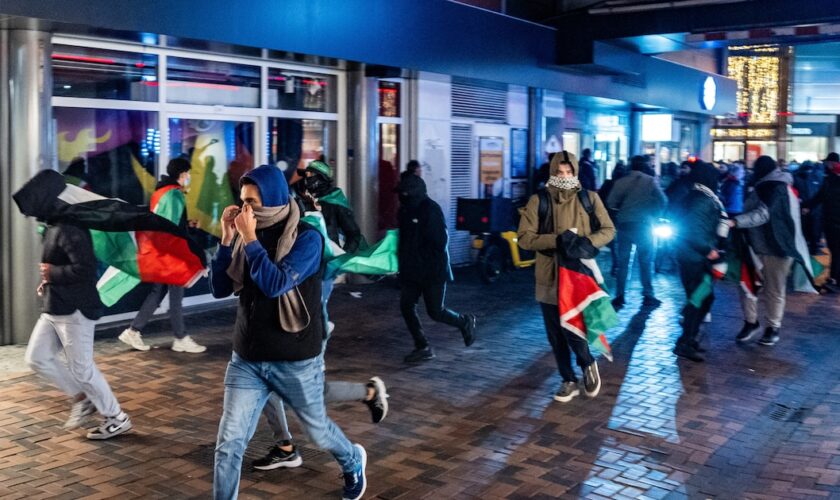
<point>638,234</point>
<point>247,386</point>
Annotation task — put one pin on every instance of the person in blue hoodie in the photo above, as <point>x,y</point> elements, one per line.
<point>272,261</point>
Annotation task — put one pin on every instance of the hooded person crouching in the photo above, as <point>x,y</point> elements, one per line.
<point>566,213</point>
<point>272,261</point>
<point>424,266</point>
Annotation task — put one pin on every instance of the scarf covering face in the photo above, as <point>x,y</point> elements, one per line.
<point>294,316</point>
<point>564,183</point>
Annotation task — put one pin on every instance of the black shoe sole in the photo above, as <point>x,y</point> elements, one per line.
<point>750,336</point>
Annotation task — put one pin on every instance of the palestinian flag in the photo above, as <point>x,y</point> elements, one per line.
<point>585,307</point>
<point>803,266</point>
<point>744,267</point>
<point>143,245</point>
<point>376,259</point>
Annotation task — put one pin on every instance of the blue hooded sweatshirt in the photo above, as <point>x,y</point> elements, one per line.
<point>273,278</point>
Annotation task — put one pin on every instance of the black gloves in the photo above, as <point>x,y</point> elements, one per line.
<point>572,246</point>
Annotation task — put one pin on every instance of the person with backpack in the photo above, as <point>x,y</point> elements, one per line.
<point>564,205</point>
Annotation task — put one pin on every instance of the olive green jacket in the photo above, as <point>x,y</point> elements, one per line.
<point>568,214</point>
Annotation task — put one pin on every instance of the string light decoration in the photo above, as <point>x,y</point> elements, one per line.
<point>744,133</point>
<point>757,71</point>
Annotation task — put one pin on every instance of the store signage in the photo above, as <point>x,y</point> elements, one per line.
<point>800,131</point>
<point>490,159</point>
<point>744,133</point>
<point>709,95</point>
<point>657,127</point>
<point>606,121</point>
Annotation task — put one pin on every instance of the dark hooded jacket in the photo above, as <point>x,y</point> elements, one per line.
<point>257,332</point>
<point>697,216</point>
<point>636,198</point>
<point>770,227</point>
<point>423,243</point>
<point>828,198</point>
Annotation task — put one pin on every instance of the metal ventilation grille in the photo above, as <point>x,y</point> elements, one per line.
<point>480,100</point>
<point>460,183</point>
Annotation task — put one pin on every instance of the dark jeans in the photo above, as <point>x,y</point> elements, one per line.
<point>638,234</point>
<point>691,275</point>
<point>563,342</point>
<point>153,300</point>
<point>832,237</point>
<point>433,295</point>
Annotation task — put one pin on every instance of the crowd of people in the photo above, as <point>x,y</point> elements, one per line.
<point>271,256</point>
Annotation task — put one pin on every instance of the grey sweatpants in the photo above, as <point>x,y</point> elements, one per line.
<point>774,272</point>
<point>72,334</point>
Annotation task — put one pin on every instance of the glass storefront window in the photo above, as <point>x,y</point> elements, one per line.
<point>195,81</point>
<point>389,174</point>
<point>104,74</point>
<point>389,99</point>
<point>807,148</point>
<point>728,151</point>
<point>293,143</point>
<point>299,91</point>
<point>108,151</point>
<point>220,152</point>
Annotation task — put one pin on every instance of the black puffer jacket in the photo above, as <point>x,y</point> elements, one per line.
<point>698,215</point>
<point>828,198</point>
<point>72,279</point>
<point>423,244</point>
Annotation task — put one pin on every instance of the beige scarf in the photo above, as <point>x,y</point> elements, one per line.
<point>294,316</point>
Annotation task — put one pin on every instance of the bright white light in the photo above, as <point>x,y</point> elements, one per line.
<point>657,127</point>
<point>663,231</point>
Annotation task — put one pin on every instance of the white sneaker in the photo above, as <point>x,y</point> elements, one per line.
<point>133,338</point>
<point>112,426</point>
<point>187,344</point>
<point>79,413</point>
<point>707,318</point>
<point>330,327</point>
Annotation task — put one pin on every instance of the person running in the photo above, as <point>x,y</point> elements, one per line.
<point>169,202</point>
<point>543,235</point>
<point>69,311</point>
<point>272,260</point>
<point>703,212</point>
<point>424,267</point>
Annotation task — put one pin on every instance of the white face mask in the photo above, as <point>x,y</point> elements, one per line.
<point>185,182</point>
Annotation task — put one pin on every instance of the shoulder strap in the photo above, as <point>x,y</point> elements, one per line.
<point>546,214</point>
<point>586,201</point>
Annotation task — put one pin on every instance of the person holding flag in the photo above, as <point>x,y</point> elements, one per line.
<point>322,195</point>
<point>566,225</point>
<point>169,202</point>
<point>704,221</point>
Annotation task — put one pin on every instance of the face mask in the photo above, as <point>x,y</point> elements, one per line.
<point>186,182</point>
<point>563,182</point>
<point>314,184</point>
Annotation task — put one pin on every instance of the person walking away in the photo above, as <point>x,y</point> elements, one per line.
<point>169,202</point>
<point>619,171</point>
<point>703,212</point>
<point>272,261</point>
<point>424,267</point>
<point>770,231</point>
<point>535,233</point>
<point>69,309</point>
<point>637,202</point>
<point>732,190</point>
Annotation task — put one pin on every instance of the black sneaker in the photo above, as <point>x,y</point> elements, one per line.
<point>770,337</point>
<point>697,347</point>
<point>688,352</point>
<point>378,406</point>
<point>567,391</point>
<point>468,332</point>
<point>278,458</point>
<point>748,332</point>
<point>591,380</point>
<point>418,355</point>
<point>651,301</point>
<point>618,302</point>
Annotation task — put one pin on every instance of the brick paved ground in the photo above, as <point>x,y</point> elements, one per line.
<point>752,422</point>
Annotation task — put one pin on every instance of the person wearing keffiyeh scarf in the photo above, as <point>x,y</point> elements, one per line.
<point>702,224</point>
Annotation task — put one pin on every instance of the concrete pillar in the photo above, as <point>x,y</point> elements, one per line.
<point>363,107</point>
<point>26,147</point>
<point>535,136</point>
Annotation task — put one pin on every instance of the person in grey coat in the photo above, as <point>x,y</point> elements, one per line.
<point>637,201</point>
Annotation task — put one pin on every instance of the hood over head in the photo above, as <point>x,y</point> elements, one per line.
<point>763,166</point>
<point>705,174</point>
<point>563,157</point>
<point>274,190</point>
<point>37,198</point>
